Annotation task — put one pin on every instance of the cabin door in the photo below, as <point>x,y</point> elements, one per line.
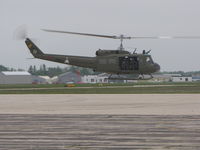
<point>129,63</point>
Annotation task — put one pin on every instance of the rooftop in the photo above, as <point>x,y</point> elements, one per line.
<point>8,73</point>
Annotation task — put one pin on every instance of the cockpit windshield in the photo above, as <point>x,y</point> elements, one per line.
<point>149,60</point>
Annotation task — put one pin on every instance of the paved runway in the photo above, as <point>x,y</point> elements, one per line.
<point>146,104</point>
<point>99,132</point>
<point>99,122</point>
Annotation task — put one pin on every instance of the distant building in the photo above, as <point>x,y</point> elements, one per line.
<point>95,79</point>
<point>54,79</point>
<point>15,77</point>
<point>181,79</point>
<point>68,77</point>
<point>41,80</point>
<point>161,78</point>
<point>196,78</point>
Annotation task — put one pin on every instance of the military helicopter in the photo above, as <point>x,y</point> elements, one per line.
<point>118,62</point>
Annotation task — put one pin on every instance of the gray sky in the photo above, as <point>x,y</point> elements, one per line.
<point>129,17</point>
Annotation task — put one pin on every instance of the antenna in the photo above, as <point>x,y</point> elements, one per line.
<point>134,52</point>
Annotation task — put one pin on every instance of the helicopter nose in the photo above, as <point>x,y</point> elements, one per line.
<point>157,67</point>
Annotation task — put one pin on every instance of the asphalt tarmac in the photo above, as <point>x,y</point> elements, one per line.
<point>99,122</point>
<point>134,104</point>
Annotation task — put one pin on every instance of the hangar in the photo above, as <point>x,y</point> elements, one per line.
<point>68,77</point>
<point>15,77</point>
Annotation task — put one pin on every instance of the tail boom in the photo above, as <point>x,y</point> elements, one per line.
<point>81,61</point>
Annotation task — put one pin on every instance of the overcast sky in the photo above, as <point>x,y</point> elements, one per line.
<point>112,17</point>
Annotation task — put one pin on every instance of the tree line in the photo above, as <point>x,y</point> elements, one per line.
<point>43,70</point>
<point>3,68</point>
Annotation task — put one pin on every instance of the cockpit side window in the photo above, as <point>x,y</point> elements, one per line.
<point>149,59</point>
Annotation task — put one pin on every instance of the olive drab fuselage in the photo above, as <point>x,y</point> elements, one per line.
<point>124,64</point>
<point>109,61</point>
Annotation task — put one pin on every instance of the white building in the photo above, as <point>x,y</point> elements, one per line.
<point>94,79</point>
<point>181,79</point>
<point>15,77</point>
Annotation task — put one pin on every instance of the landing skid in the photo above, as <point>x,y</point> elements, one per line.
<point>118,77</point>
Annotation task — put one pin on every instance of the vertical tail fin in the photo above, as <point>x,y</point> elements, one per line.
<point>35,51</point>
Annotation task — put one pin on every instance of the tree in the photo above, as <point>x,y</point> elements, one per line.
<point>34,69</point>
<point>52,71</point>
<point>30,70</point>
<point>3,68</point>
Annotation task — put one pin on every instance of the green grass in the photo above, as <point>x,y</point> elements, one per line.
<point>7,86</point>
<point>171,88</point>
<point>2,86</point>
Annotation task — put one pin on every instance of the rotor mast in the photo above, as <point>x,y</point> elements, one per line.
<point>121,44</point>
<point>122,37</point>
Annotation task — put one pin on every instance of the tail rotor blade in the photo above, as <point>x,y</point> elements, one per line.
<point>21,33</point>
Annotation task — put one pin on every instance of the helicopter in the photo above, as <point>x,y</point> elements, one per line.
<point>118,62</point>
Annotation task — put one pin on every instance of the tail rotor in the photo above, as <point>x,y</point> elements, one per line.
<point>21,33</point>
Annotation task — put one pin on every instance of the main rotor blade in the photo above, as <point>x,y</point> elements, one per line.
<point>124,37</point>
<point>85,34</point>
<point>166,37</point>
<point>186,37</point>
